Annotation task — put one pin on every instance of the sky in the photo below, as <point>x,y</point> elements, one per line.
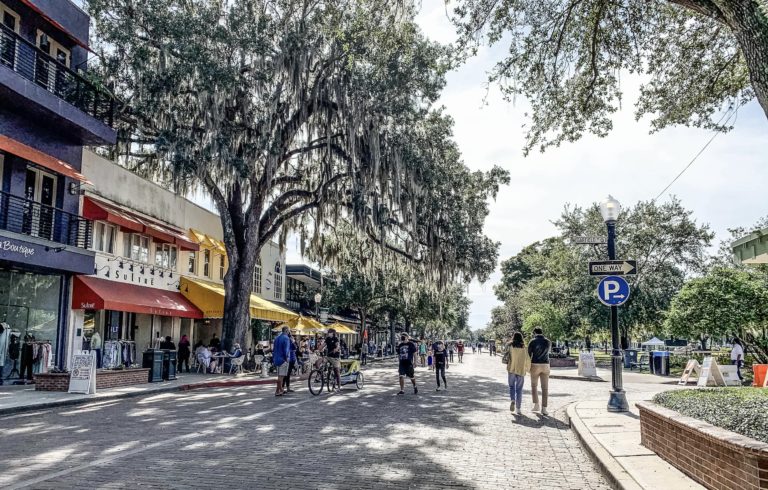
<point>725,187</point>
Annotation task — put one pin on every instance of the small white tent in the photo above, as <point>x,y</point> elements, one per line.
<point>653,343</point>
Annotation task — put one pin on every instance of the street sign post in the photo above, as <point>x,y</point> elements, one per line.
<point>590,240</point>
<point>613,268</point>
<point>613,291</point>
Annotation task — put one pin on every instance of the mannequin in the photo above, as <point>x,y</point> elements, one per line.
<point>14,349</point>
<point>5,332</point>
<point>27,358</point>
<point>96,346</point>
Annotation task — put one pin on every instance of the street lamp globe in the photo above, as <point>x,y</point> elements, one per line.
<point>610,209</point>
<point>318,298</point>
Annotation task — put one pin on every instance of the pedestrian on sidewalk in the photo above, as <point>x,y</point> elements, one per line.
<point>518,364</point>
<point>291,364</point>
<point>460,351</point>
<point>406,349</point>
<point>538,350</point>
<point>441,364</point>
<point>451,350</point>
<point>430,357</point>
<point>184,352</point>
<point>737,356</point>
<point>422,353</point>
<point>281,355</point>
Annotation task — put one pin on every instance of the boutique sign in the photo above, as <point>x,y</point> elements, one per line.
<point>40,253</point>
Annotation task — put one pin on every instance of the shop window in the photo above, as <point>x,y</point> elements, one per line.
<point>165,256</point>
<point>207,263</point>
<point>257,277</point>
<point>192,263</point>
<point>104,237</point>
<point>137,247</point>
<point>278,281</point>
<point>222,259</point>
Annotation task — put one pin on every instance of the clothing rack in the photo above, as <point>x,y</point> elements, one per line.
<point>118,353</point>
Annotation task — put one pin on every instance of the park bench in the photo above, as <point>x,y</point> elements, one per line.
<point>641,363</point>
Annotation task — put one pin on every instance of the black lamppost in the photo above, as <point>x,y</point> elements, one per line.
<point>610,209</point>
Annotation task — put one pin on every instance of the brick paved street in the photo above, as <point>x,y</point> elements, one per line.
<point>246,438</point>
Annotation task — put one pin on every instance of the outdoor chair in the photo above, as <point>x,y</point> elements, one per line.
<point>202,364</point>
<point>236,365</point>
<point>641,363</point>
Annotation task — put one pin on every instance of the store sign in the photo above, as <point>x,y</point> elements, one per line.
<point>15,248</point>
<point>82,378</point>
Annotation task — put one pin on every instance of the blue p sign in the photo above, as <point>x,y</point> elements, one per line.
<point>613,291</point>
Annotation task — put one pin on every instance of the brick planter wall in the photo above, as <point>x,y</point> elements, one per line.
<point>717,458</point>
<point>104,379</point>
<point>562,362</point>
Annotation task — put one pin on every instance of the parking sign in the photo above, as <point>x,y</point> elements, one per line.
<point>613,291</point>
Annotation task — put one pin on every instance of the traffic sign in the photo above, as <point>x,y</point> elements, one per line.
<point>590,240</point>
<point>613,291</point>
<point>613,268</point>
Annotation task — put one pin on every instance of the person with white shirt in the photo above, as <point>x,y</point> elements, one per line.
<point>737,356</point>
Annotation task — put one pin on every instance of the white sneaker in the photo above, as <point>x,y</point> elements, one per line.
<point>544,411</point>
<point>536,407</point>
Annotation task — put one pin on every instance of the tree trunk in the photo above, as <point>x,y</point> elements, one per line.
<point>750,27</point>
<point>392,330</point>
<point>238,284</point>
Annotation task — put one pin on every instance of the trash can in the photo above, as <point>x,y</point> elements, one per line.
<point>760,371</point>
<point>660,363</point>
<point>630,356</point>
<point>169,365</point>
<point>651,363</point>
<point>153,359</point>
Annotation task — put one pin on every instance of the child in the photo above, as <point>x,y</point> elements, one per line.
<point>429,358</point>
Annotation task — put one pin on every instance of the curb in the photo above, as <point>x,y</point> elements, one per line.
<point>611,469</point>
<point>594,379</point>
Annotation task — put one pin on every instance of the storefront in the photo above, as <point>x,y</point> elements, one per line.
<point>208,297</point>
<point>121,320</point>
<point>35,279</point>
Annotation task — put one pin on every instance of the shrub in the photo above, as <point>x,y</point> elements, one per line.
<point>741,410</point>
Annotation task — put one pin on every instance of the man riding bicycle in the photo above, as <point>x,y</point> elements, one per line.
<point>333,353</point>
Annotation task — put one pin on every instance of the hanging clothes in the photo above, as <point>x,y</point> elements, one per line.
<point>5,332</point>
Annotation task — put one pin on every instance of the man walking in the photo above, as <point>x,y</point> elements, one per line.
<point>460,350</point>
<point>441,362</point>
<point>405,352</point>
<point>538,350</point>
<point>281,356</point>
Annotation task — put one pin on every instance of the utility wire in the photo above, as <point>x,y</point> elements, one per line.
<point>716,132</point>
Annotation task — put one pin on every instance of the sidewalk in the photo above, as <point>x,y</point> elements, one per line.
<point>613,442</point>
<point>23,398</point>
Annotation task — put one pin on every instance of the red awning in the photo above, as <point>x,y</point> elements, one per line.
<point>92,293</point>
<point>43,159</point>
<point>97,210</point>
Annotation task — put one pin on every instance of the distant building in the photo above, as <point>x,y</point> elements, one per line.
<point>752,249</point>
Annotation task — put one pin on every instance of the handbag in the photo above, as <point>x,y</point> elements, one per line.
<point>505,358</point>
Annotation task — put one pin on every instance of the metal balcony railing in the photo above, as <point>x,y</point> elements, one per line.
<point>32,218</point>
<point>30,62</point>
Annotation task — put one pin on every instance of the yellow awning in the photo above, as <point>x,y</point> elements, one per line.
<point>208,241</point>
<point>302,325</point>
<point>209,298</point>
<point>341,328</point>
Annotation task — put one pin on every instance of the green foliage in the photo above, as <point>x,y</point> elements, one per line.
<point>725,302</point>
<point>567,58</point>
<point>741,410</point>
<point>549,278</point>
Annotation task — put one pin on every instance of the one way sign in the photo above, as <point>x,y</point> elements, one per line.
<point>613,268</point>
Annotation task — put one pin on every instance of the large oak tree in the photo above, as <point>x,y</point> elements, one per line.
<point>291,114</point>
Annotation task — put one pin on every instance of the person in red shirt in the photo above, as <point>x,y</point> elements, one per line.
<point>460,350</point>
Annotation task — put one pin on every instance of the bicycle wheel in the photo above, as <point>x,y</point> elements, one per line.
<point>316,381</point>
<point>359,381</point>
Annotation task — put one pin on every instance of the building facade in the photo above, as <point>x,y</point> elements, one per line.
<point>159,267</point>
<point>48,112</point>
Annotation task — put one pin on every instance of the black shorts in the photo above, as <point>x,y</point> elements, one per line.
<point>405,369</point>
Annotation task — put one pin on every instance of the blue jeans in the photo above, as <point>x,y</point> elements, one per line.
<point>516,388</point>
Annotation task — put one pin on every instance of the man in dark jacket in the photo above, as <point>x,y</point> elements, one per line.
<point>538,350</point>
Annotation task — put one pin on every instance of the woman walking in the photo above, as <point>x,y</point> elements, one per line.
<point>737,356</point>
<point>441,362</point>
<point>518,363</point>
<point>184,352</point>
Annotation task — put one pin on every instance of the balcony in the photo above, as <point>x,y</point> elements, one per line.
<point>46,73</point>
<point>31,218</point>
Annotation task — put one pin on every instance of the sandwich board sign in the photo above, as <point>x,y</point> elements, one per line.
<point>587,365</point>
<point>82,378</point>
<point>710,373</point>
<point>693,367</point>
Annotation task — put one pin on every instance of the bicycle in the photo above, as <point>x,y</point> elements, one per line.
<point>324,376</point>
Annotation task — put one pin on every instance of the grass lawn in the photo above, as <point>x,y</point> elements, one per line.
<point>742,410</point>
